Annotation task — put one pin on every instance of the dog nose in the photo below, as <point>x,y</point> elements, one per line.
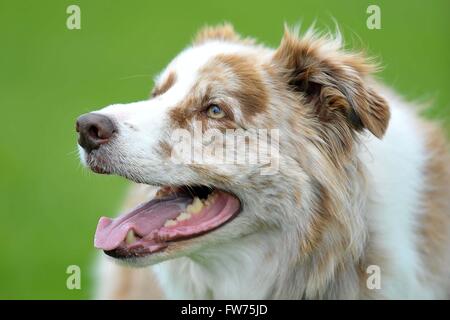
<point>94,130</point>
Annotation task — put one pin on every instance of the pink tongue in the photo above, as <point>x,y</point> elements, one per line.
<point>143,220</point>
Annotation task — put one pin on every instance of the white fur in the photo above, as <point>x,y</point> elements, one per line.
<point>395,169</point>
<point>220,274</point>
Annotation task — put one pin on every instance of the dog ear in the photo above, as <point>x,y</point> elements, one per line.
<point>223,32</point>
<point>333,81</point>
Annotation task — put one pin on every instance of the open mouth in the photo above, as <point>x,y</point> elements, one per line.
<point>174,214</point>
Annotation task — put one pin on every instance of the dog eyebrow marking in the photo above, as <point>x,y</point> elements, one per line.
<point>166,85</point>
<point>249,88</point>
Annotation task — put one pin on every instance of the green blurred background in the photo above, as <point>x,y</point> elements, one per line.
<point>49,204</point>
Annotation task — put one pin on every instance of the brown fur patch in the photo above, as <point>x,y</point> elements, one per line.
<point>251,93</point>
<point>183,113</point>
<point>165,148</point>
<point>435,225</point>
<point>333,81</point>
<point>244,84</point>
<point>321,219</point>
<point>166,85</point>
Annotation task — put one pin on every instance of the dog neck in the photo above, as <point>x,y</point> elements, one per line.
<point>244,268</point>
<point>258,267</point>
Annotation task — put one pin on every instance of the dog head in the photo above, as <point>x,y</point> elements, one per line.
<point>241,139</point>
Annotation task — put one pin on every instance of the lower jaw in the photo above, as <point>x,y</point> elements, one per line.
<point>123,253</point>
<point>189,248</point>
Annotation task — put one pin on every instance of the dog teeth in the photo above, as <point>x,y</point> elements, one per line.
<point>131,237</point>
<point>181,217</point>
<point>170,223</point>
<point>184,216</point>
<point>211,198</point>
<point>195,207</point>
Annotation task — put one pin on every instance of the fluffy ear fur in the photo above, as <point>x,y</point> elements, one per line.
<point>333,81</point>
<point>221,32</point>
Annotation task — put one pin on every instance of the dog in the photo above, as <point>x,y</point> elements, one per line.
<point>357,207</point>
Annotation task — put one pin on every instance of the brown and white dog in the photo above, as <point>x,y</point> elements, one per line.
<point>362,184</point>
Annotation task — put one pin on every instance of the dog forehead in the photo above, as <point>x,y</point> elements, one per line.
<point>194,58</point>
<point>185,67</point>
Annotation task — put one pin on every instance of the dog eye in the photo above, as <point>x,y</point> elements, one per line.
<point>215,112</point>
